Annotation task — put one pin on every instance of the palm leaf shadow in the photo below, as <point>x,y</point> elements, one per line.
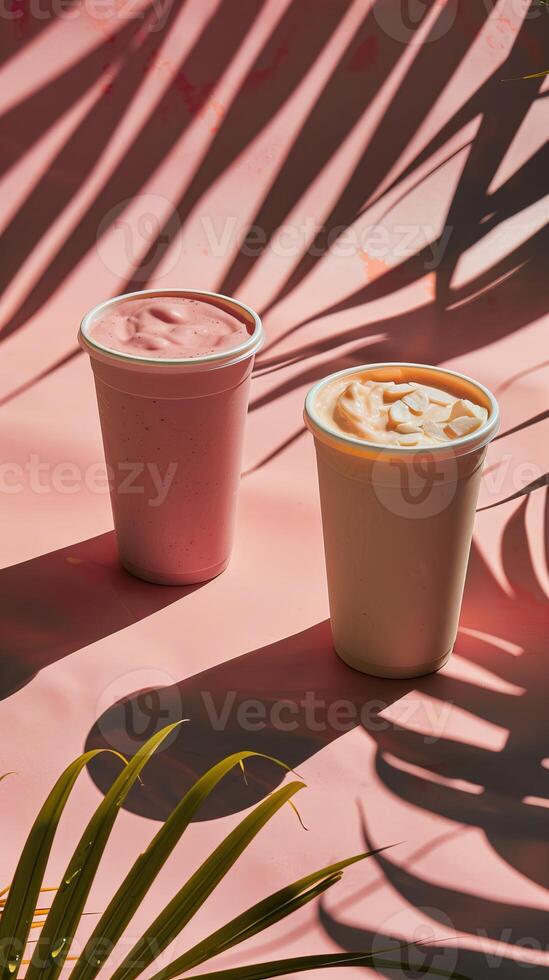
<point>428,333</point>
<point>501,120</point>
<point>430,777</point>
<point>75,161</point>
<point>473,212</point>
<point>20,28</point>
<point>527,183</point>
<point>407,111</point>
<point>439,951</point>
<point>444,333</point>
<point>278,69</point>
<point>367,62</point>
<point>516,829</point>
<point>194,95</point>
<point>184,98</point>
<point>27,121</point>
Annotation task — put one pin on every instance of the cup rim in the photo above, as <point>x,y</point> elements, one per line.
<point>474,440</point>
<point>224,358</point>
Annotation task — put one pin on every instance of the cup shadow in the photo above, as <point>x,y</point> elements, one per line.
<point>288,700</point>
<point>501,792</point>
<point>59,602</point>
<point>291,698</point>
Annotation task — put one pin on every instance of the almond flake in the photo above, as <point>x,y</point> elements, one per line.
<point>394,391</point>
<point>463,425</point>
<point>417,401</point>
<point>398,413</point>
<point>438,397</point>
<point>434,430</point>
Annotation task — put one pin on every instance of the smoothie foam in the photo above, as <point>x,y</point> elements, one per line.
<point>168,327</point>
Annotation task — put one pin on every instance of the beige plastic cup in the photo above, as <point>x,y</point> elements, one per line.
<point>398,525</point>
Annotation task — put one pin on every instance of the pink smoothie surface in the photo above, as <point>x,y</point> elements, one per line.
<point>168,327</point>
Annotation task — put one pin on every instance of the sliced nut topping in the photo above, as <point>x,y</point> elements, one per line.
<point>417,401</point>
<point>437,397</point>
<point>398,413</point>
<point>394,391</point>
<point>411,439</point>
<point>439,413</point>
<point>403,413</point>
<point>462,407</point>
<point>433,429</point>
<point>463,425</point>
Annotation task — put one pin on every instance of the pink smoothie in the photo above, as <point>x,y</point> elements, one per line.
<point>172,375</point>
<point>169,327</point>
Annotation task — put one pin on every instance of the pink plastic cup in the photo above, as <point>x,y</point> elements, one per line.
<point>172,434</point>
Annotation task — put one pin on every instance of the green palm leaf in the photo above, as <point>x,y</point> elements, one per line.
<point>67,908</point>
<point>525,78</point>
<point>131,892</point>
<point>300,964</point>
<point>260,916</point>
<point>64,915</point>
<point>188,899</point>
<point>17,916</point>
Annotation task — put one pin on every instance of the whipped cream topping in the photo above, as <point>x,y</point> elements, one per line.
<point>168,327</point>
<point>396,413</point>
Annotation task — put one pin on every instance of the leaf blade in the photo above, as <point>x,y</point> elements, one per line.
<point>300,964</point>
<point>193,894</point>
<point>57,933</point>
<point>18,911</point>
<point>145,869</point>
<point>260,916</point>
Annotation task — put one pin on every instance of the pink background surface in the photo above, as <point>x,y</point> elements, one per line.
<point>130,144</point>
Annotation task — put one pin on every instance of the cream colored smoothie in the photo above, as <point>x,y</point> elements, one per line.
<point>396,413</point>
<point>400,449</point>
